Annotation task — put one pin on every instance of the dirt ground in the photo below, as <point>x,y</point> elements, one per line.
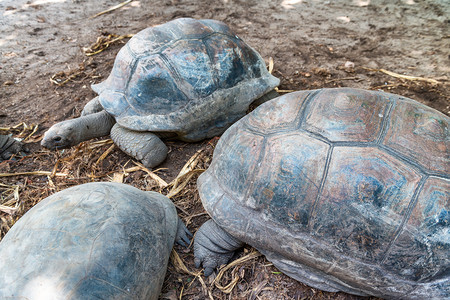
<point>45,77</point>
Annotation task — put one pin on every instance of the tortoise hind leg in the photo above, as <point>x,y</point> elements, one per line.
<point>142,145</point>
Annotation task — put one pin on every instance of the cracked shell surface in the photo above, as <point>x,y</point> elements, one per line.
<point>192,77</point>
<point>349,186</point>
<point>96,240</point>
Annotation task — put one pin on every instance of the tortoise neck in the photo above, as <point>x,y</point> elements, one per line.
<point>95,125</point>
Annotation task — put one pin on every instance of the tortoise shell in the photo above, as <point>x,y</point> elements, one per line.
<point>174,77</point>
<point>350,184</point>
<point>96,240</point>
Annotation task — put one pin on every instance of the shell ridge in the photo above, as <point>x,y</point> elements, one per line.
<point>132,53</point>
<point>254,172</point>
<point>252,129</point>
<point>386,119</point>
<point>76,286</point>
<point>175,75</point>
<point>194,106</point>
<point>311,216</point>
<point>412,163</point>
<point>305,106</point>
<point>210,56</point>
<point>172,42</point>
<point>298,120</point>
<point>354,144</point>
<point>133,68</point>
<point>406,217</point>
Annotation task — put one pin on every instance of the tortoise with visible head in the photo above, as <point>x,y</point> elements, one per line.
<point>342,189</point>
<point>188,79</point>
<point>96,240</point>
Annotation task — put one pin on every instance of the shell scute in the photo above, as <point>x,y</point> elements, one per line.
<point>227,61</point>
<point>236,166</point>
<point>365,197</point>
<point>414,127</point>
<point>278,114</point>
<point>187,28</point>
<point>253,60</point>
<point>422,248</point>
<point>150,41</point>
<point>152,89</point>
<point>346,115</point>
<point>192,65</point>
<point>289,179</point>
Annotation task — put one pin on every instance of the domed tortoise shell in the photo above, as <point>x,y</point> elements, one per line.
<point>171,77</point>
<point>105,240</point>
<point>345,181</point>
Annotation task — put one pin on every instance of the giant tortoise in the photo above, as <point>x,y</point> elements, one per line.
<point>189,79</point>
<point>342,189</point>
<point>92,241</point>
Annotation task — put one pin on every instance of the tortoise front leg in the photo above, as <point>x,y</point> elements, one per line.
<point>144,146</point>
<point>92,107</point>
<point>213,246</point>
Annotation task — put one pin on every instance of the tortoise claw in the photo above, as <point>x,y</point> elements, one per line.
<point>183,234</point>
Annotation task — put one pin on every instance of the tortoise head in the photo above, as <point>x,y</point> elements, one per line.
<point>61,135</point>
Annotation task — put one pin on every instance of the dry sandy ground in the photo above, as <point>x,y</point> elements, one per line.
<point>313,44</point>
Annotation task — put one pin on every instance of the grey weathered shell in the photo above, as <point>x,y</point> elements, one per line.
<point>96,240</point>
<point>185,76</point>
<point>350,184</point>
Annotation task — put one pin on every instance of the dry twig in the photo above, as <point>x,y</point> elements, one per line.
<point>406,77</point>
<point>112,9</point>
<point>36,173</point>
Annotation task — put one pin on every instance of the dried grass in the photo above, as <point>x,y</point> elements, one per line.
<point>103,42</point>
<point>83,72</point>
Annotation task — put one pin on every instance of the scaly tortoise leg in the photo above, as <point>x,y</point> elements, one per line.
<point>145,146</point>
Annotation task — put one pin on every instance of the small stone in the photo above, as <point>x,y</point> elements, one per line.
<point>349,65</point>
